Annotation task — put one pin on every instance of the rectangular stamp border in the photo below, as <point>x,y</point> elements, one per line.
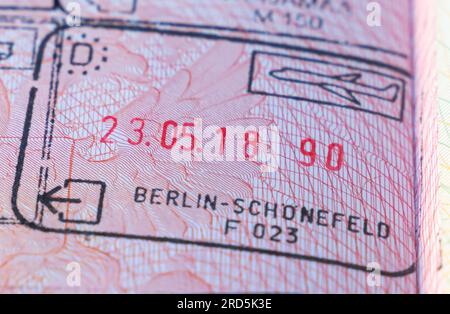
<point>11,219</point>
<point>27,126</point>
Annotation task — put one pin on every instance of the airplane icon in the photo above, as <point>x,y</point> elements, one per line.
<point>346,86</point>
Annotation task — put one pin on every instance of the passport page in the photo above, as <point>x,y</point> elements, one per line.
<point>208,146</point>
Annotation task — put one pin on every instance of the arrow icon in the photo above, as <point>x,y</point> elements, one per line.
<point>49,198</point>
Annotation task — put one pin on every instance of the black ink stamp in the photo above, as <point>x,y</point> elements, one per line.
<point>349,92</point>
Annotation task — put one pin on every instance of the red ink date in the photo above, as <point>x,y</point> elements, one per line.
<point>173,133</point>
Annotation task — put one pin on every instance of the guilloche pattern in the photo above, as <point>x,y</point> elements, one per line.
<point>87,133</point>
